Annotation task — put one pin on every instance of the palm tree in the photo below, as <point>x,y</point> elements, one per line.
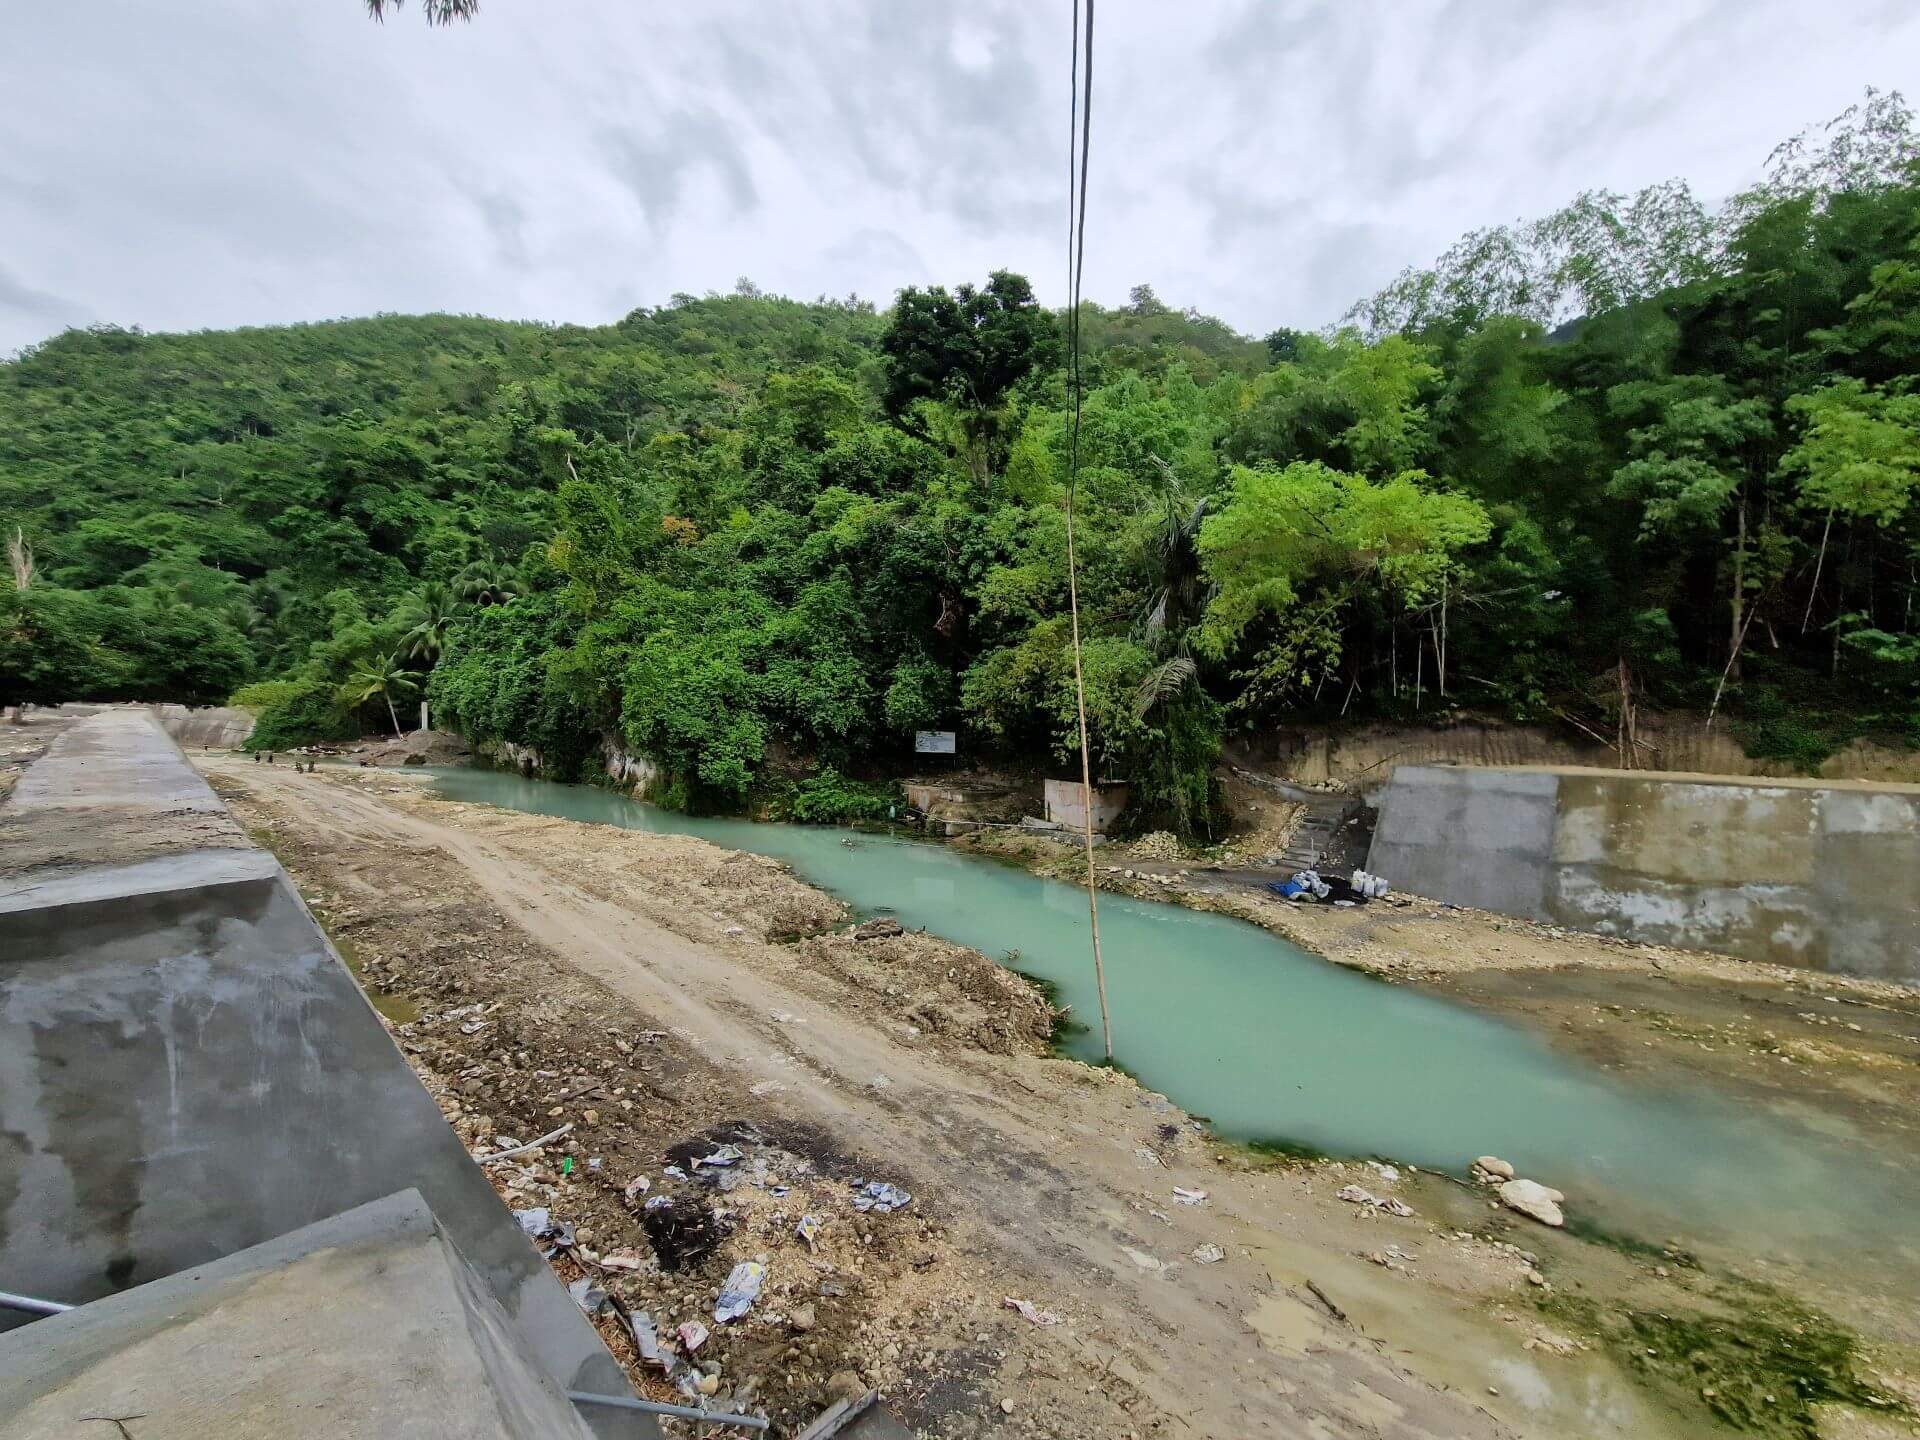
<point>1179,597</point>
<point>438,12</point>
<point>384,677</point>
<point>427,613</point>
<point>487,582</point>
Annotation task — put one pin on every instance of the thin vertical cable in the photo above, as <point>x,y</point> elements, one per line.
<point>1076,262</point>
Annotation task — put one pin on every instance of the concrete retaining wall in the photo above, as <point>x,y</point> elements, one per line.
<point>1064,808</point>
<point>186,1067</point>
<point>1792,871</point>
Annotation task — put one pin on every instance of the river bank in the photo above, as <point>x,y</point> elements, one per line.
<point>1041,1178</point>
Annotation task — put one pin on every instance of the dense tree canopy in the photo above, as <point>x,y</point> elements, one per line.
<point>1637,453</point>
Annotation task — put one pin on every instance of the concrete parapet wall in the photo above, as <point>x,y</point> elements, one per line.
<point>187,1069</point>
<point>1797,872</point>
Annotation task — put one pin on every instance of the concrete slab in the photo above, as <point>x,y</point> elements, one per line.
<point>367,1324</point>
<point>187,1070</point>
<point>111,790</point>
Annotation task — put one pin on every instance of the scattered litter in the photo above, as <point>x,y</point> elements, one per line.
<point>1142,1259</point>
<point>1209,1254</point>
<point>535,1222</point>
<point>808,1230</point>
<point>623,1260</point>
<point>593,1162</point>
<point>724,1156</point>
<point>879,1195</point>
<point>646,1339</point>
<point>566,1164</point>
<point>637,1187</point>
<point>740,1291</point>
<point>675,1171</point>
<point>1189,1197</point>
<point>1146,1156</point>
<point>588,1296</point>
<point>880,1082</point>
<point>766,1087</point>
<point>1030,1312</point>
<point>1354,1195</point>
<point>692,1336</point>
<point>512,1150</point>
<point>1161,1216</point>
<point>1385,1172</point>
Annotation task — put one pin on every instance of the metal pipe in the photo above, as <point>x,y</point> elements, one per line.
<point>655,1407</point>
<point>10,1301</point>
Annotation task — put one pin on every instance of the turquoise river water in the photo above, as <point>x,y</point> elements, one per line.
<point>1272,1043</point>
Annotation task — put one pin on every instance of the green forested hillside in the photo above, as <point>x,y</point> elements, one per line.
<point>1635,454</point>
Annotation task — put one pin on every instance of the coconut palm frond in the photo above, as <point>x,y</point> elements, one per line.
<point>1162,683</point>
<point>438,12</point>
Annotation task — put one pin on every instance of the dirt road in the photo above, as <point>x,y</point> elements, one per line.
<point>914,1061</point>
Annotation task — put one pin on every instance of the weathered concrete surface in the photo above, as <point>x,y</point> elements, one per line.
<point>363,1326</point>
<point>1064,807</point>
<point>187,1069</point>
<point>208,727</point>
<point>111,789</point>
<point>1820,874</point>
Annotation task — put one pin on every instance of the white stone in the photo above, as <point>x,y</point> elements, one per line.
<point>1535,1201</point>
<point>1494,1165</point>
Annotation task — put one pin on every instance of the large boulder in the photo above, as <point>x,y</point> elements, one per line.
<point>1534,1200</point>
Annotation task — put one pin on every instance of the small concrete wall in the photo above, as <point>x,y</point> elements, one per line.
<point>212,727</point>
<point>1795,872</point>
<point>1064,808</point>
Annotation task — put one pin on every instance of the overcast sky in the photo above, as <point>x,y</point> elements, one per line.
<point>180,164</point>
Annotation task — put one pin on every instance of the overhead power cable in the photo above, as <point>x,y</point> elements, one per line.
<point>1079,134</point>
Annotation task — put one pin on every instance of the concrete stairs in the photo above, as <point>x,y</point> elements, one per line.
<point>1310,842</point>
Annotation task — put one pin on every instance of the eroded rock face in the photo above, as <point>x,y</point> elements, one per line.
<point>1534,1200</point>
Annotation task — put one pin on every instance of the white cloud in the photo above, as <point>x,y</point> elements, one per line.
<point>185,165</point>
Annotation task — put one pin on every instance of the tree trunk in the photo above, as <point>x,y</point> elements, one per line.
<point>1735,630</point>
<point>393,715</point>
<point>1818,565</point>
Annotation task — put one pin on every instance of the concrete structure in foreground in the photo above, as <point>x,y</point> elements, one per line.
<point>1823,874</point>
<point>364,1326</point>
<point>187,1070</point>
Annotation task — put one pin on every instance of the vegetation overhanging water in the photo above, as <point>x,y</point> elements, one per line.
<point>1272,1043</point>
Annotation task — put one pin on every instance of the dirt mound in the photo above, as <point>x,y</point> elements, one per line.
<point>421,747</point>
